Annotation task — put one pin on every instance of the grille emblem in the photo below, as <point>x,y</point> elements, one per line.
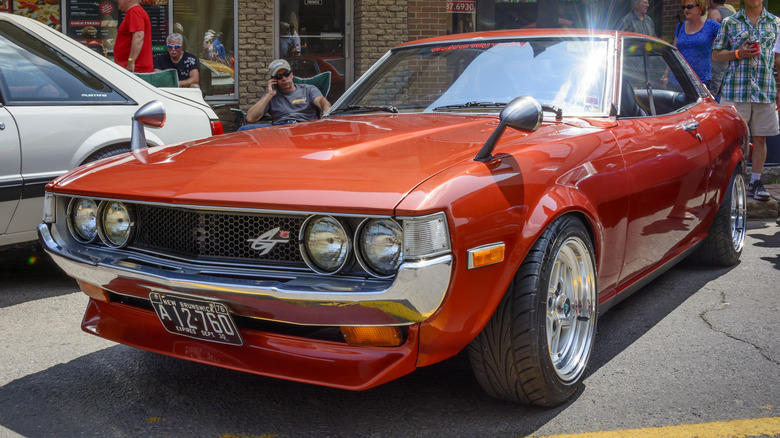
<point>266,241</point>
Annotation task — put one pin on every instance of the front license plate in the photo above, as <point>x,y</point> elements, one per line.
<point>199,319</point>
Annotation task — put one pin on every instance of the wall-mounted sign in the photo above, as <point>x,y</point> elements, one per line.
<point>313,2</point>
<point>461,6</point>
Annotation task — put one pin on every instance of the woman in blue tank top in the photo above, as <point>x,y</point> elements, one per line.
<point>694,38</point>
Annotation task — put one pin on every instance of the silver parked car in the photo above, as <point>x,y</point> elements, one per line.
<point>61,106</point>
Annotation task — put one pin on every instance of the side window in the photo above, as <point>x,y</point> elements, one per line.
<point>654,80</point>
<point>32,72</point>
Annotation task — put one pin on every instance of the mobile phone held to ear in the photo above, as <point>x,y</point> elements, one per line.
<point>275,87</point>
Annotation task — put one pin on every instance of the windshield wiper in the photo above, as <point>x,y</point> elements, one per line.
<point>387,109</point>
<point>472,105</point>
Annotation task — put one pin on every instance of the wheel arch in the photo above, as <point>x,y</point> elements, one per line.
<point>105,138</point>
<point>441,339</point>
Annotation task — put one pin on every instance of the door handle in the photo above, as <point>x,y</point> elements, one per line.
<point>691,126</point>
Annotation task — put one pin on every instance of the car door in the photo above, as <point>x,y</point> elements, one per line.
<point>666,156</point>
<point>10,164</point>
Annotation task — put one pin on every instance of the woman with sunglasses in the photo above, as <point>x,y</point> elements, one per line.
<point>185,63</point>
<point>695,36</point>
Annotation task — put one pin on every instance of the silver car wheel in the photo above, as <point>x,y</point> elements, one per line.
<point>571,307</point>
<point>738,212</point>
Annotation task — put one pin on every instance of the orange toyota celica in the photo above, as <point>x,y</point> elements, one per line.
<point>493,192</point>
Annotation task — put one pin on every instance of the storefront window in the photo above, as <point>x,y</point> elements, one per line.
<point>312,39</point>
<point>462,15</point>
<point>208,30</point>
<point>47,12</point>
<point>524,14</point>
<point>95,24</point>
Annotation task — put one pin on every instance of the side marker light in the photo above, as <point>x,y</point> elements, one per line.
<point>486,255</point>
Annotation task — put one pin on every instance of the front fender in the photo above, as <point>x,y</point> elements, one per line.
<point>513,200</point>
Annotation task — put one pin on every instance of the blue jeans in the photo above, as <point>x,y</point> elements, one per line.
<point>253,126</point>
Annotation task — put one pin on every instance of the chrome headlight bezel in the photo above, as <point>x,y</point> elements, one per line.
<point>313,260</point>
<point>75,228</point>
<point>126,215</point>
<point>370,262</point>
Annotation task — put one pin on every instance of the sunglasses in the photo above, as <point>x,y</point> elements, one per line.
<point>689,7</point>
<point>280,75</point>
<point>177,47</point>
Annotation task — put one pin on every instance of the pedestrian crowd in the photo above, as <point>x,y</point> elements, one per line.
<point>734,54</point>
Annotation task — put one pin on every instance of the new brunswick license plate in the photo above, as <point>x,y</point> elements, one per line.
<point>199,319</point>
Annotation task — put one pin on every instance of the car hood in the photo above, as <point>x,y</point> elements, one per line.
<point>347,164</point>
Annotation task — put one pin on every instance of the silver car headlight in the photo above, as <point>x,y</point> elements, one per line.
<point>380,246</point>
<point>116,224</point>
<point>325,244</point>
<point>82,219</point>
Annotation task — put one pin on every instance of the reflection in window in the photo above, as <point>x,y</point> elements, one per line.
<point>567,73</point>
<point>32,72</point>
<point>210,37</point>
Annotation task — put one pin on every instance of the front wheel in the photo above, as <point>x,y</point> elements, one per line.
<point>109,151</point>
<point>536,346</point>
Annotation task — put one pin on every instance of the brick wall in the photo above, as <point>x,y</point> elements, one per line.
<point>427,18</point>
<point>379,25</point>
<point>255,48</point>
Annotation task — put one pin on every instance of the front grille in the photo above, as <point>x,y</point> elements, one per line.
<point>211,235</point>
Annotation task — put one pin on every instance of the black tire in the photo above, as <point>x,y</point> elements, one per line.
<point>511,357</point>
<point>106,152</point>
<point>726,235</point>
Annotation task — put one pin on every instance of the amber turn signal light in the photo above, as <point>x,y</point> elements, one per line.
<point>93,291</point>
<point>486,255</point>
<point>372,336</point>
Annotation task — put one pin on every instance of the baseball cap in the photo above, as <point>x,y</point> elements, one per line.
<point>278,64</point>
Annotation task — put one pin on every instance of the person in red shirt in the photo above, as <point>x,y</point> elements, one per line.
<point>133,46</point>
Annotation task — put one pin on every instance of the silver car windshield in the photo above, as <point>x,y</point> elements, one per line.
<point>482,76</point>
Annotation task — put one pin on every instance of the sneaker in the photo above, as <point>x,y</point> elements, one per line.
<point>757,190</point>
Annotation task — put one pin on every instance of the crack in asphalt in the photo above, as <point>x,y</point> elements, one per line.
<point>722,306</point>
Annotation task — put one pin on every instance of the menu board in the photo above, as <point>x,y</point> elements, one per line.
<point>94,23</point>
<point>158,15</point>
<point>45,11</point>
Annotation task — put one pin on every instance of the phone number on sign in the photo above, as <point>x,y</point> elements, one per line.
<point>461,6</point>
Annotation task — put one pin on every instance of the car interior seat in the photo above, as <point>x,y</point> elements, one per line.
<point>629,104</point>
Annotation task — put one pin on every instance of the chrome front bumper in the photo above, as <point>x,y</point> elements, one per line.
<point>413,296</point>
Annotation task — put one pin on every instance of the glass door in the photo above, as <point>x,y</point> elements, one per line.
<point>315,36</point>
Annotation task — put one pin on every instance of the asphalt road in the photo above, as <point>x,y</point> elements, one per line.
<point>698,345</point>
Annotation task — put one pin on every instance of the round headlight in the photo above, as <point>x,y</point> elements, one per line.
<point>83,219</point>
<point>115,223</point>
<point>325,244</point>
<point>381,246</point>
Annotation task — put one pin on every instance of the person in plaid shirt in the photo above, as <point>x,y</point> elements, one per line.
<point>748,82</point>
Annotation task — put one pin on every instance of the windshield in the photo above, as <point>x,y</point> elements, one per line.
<point>566,72</point>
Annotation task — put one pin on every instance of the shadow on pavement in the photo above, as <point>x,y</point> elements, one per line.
<point>28,274</point>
